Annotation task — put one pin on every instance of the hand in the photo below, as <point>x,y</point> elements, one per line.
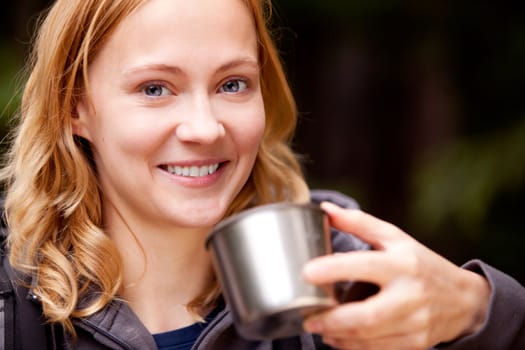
<point>423,299</point>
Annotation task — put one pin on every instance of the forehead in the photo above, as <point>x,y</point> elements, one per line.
<point>182,28</point>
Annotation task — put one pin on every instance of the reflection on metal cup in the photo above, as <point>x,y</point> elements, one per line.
<point>258,256</point>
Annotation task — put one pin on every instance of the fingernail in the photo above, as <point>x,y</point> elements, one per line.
<point>313,326</point>
<point>309,271</point>
<point>328,205</point>
<point>330,341</point>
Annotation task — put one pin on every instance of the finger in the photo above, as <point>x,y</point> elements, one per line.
<point>384,314</point>
<point>413,341</point>
<point>365,266</point>
<point>370,229</point>
<point>345,319</point>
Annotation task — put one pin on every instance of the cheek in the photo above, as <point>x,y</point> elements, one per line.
<point>249,134</point>
<point>120,124</point>
<point>117,137</point>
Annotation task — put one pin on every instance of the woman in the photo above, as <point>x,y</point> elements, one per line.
<point>143,124</point>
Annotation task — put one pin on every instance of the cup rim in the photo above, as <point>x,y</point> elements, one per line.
<point>260,208</point>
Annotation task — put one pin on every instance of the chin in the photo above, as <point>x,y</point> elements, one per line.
<point>196,218</point>
<point>199,211</point>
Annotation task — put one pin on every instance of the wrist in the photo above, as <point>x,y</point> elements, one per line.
<point>480,298</point>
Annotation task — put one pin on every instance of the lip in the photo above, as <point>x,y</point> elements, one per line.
<point>196,162</point>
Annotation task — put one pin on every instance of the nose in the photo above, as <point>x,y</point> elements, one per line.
<point>200,125</point>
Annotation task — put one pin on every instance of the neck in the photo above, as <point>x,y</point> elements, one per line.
<point>164,269</point>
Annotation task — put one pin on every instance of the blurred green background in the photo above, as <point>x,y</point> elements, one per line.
<point>415,108</point>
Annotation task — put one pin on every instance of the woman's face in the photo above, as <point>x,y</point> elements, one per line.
<point>177,112</point>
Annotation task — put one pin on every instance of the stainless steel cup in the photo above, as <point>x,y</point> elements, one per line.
<point>258,256</point>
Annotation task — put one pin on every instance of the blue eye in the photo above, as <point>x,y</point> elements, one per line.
<point>234,86</point>
<point>156,90</point>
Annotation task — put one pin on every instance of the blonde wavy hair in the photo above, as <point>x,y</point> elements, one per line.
<point>53,200</point>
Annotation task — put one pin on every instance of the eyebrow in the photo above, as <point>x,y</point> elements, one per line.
<point>154,67</point>
<point>243,61</point>
<point>238,62</point>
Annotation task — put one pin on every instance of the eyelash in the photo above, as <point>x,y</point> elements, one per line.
<point>243,81</point>
<point>143,88</point>
<point>146,86</point>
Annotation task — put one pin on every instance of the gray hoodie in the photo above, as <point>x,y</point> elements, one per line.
<point>117,327</point>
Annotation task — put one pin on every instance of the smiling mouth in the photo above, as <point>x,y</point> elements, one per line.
<point>192,171</point>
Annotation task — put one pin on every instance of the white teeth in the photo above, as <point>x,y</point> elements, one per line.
<point>203,171</point>
<point>193,171</point>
